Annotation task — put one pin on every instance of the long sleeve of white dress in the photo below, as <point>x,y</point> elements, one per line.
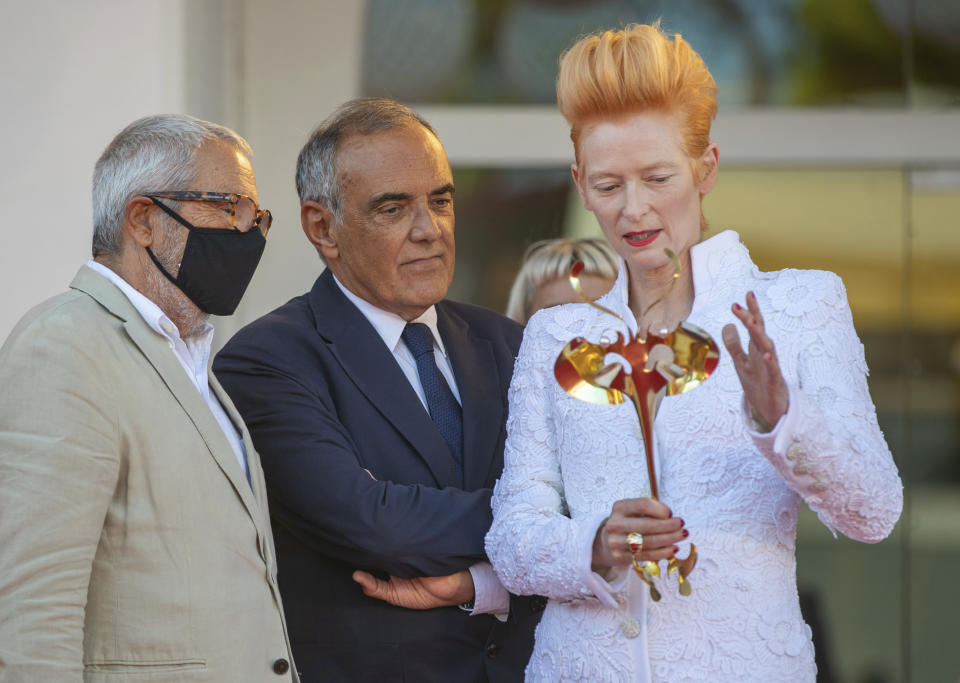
<point>828,448</point>
<point>537,547</point>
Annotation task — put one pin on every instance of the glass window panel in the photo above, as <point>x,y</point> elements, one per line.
<point>499,213</point>
<point>932,429</point>
<point>761,52</point>
<point>936,52</point>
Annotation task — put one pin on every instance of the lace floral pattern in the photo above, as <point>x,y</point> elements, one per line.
<point>739,492</point>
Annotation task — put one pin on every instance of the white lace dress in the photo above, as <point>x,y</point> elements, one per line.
<point>738,491</point>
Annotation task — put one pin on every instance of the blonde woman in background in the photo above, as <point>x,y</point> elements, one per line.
<point>787,421</point>
<point>543,279</point>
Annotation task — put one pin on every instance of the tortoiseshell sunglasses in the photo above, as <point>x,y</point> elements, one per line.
<point>244,213</point>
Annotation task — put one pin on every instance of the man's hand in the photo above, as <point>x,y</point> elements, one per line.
<point>425,592</point>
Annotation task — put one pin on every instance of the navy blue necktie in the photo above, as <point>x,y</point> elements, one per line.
<point>441,403</point>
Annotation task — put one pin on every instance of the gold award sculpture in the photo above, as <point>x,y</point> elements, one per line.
<point>667,363</point>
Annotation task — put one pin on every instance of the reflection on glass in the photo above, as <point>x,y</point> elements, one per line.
<point>500,213</point>
<point>761,52</point>
<point>931,434</point>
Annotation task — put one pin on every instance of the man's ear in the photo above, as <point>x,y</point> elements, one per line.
<point>318,222</point>
<point>136,223</point>
<point>575,172</point>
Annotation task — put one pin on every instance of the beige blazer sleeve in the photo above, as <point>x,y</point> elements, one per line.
<point>132,547</point>
<point>58,471</point>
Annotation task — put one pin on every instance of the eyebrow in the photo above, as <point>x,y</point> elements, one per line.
<point>390,197</point>
<point>404,196</point>
<point>655,166</point>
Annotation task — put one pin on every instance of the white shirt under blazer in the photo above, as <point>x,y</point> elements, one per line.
<point>739,492</point>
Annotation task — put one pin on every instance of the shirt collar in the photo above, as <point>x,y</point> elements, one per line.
<point>716,260</point>
<point>152,314</point>
<point>390,325</point>
<point>712,260</point>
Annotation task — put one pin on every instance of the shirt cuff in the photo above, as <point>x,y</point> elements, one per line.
<point>778,438</point>
<point>489,595</point>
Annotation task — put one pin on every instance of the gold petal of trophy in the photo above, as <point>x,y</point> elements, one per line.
<point>656,365</point>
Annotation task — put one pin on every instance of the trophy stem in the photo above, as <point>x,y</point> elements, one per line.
<point>646,406</point>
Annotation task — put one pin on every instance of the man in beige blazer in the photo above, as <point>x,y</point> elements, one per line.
<point>134,538</point>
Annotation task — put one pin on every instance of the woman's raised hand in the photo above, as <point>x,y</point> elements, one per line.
<point>759,371</point>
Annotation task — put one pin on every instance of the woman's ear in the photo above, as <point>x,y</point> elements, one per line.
<point>709,165</point>
<point>575,172</point>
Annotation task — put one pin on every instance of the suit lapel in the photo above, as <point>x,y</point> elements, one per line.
<point>475,368</point>
<point>371,366</point>
<point>257,483</point>
<point>168,367</point>
<point>158,353</point>
<point>253,461</point>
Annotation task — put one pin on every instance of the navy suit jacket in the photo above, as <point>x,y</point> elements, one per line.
<point>359,477</point>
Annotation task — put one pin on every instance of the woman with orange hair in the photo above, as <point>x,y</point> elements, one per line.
<point>787,420</point>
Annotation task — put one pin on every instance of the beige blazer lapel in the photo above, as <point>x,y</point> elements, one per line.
<point>157,351</point>
<point>253,461</point>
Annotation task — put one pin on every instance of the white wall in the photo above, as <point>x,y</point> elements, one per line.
<point>302,59</point>
<point>74,74</point>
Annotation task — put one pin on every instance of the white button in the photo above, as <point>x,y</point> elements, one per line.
<point>794,452</point>
<point>630,627</point>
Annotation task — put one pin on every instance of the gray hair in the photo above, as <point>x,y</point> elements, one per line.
<point>151,154</point>
<point>548,260</point>
<point>317,178</point>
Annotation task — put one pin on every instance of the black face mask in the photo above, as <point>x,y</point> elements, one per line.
<point>217,264</point>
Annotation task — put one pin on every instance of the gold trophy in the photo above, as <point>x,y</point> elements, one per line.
<point>667,363</point>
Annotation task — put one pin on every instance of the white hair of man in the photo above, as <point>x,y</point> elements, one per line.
<point>155,153</point>
<point>317,178</point>
<point>552,259</point>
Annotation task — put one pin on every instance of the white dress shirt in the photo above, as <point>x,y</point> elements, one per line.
<point>490,597</point>
<point>192,352</point>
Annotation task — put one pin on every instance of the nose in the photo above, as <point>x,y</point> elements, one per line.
<point>637,202</point>
<point>425,225</point>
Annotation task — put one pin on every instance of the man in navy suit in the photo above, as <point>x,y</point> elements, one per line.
<point>378,409</point>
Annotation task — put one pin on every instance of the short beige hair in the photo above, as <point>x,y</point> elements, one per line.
<point>551,259</point>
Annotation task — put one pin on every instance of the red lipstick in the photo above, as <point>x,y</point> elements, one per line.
<point>641,239</point>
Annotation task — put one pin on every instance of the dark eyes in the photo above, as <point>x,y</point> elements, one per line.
<point>224,207</point>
